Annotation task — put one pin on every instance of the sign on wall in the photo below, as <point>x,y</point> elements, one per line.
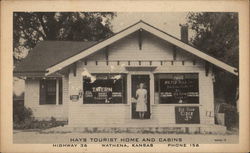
<point>187,115</point>
<point>74,98</point>
<point>179,88</point>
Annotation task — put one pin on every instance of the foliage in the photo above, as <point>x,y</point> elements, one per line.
<point>23,119</point>
<point>231,115</point>
<point>231,120</point>
<point>44,124</point>
<point>217,34</point>
<point>32,27</point>
<point>21,113</point>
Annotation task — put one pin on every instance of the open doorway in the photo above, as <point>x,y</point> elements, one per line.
<point>136,80</point>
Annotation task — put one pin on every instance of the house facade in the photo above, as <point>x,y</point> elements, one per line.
<point>93,84</point>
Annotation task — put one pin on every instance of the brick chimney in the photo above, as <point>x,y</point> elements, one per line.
<point>184,32</point>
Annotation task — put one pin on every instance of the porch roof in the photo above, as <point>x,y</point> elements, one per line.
<point>48,53</point>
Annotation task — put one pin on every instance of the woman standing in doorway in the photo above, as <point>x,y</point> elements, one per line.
<point>141,95</point>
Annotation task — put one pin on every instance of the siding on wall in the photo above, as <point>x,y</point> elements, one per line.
<point>44,112</point>
<point>152,49</point>
<point>98,56</point>
<point>65,96</point>
<point>91,115</point>
<point>206,98</point>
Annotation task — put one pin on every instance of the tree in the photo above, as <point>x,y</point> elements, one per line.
<point>217,34</point>
<point>31,27</point>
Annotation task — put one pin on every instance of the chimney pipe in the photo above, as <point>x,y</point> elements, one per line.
<point>184,32</point>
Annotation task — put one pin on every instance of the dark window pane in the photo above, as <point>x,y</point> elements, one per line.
<point>179,88</point>
<point>42,96</point>
<point>50,91</point>
<point>106,89</point>
<point>47,91</point>
<point>156,83</point>
<point>60,92</point>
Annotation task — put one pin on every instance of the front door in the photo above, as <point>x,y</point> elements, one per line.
<point>136,80</point>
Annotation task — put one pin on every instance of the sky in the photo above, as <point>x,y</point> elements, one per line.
<point>168,22</point>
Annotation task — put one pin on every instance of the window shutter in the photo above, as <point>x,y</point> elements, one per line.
<point>60,92</point>
<point>42,95</point>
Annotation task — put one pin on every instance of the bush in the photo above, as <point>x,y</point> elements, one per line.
<point>22,113</point>
<point>23,119</point>
<point>229,114</point>
<point>47,124</point>
<point>231,120</point>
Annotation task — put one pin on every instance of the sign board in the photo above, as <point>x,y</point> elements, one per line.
<point>187,115</point>
<point>74,98</point>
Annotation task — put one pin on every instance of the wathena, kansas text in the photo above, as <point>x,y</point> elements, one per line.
<point>125,142</point>
<point>126,145</point>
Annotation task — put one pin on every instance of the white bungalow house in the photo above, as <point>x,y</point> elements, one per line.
<point>93,84</point>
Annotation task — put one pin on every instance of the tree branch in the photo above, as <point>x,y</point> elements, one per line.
<point>34,28</point>
<point>40,17</point>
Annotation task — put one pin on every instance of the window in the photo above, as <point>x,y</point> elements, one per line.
<point>106,89</point>
<point>177,88</point>
<point>49,91</point>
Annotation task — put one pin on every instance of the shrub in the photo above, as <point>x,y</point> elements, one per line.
<point>23,119</point>
<point>20,114</point>
<point>231,120</point>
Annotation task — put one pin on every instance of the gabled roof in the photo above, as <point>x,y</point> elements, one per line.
<point>149,28</point>
<point>55,57</point>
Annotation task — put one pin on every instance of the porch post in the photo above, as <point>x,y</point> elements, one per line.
<point>129,89</point>
<point>57,92</point>
<point>129,95</point>
<point>152,89</point>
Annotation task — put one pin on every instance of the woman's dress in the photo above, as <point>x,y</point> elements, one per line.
<point>141,100</point>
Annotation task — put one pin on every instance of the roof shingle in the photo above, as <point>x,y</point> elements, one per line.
<point>49,53</point>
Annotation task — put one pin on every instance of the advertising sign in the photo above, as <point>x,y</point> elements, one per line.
<point>179,89</point>
<point>187,115</point>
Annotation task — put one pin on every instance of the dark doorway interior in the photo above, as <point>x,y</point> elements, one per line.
<point>136,80</point>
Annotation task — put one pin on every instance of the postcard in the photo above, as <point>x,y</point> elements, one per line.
<point>115,76</point>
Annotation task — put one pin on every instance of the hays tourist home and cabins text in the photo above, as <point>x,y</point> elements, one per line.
<point>138,78</point>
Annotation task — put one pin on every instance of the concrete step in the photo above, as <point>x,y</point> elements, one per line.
<point>170,129</point>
